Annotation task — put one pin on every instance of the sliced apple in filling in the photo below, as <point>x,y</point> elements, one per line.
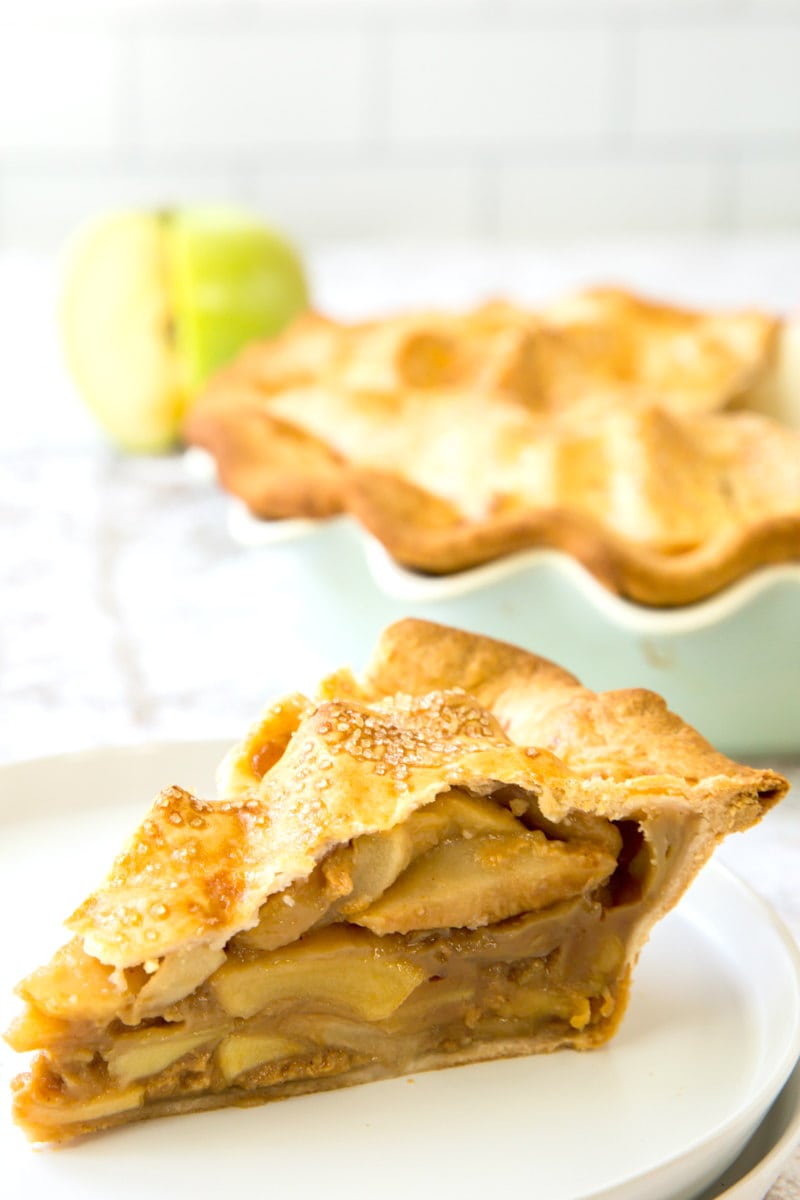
<point>398,876</point>
<point>485,879</point>
<point>241,1052</point>
<point>139,1055</point>
<point>332,969</point>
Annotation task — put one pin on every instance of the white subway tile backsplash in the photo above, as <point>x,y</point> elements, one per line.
<point>58,91</point>
<point>41,209</point>
<point>606,197</point>
<point>493,87</point>
<point>732,80</point>
<point>241,93</point>
<point>405,118</point>
<point>370,201</point>
<point>769,194</point>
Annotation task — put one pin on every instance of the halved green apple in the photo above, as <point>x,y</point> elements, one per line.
<point>154,302</point>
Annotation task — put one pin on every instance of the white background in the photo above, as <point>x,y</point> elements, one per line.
<point>519,119</point>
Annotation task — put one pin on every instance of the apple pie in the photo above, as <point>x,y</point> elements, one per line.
<point>456,857</point>
<point>639,438</point>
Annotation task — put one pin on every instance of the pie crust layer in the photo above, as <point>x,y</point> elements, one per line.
<point>456,857</point>
<point>623,432</point>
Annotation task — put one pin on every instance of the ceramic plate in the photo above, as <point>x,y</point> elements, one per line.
<point>710,1038</point>
<point>758,1166</point>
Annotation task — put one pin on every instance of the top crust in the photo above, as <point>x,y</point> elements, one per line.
<point>603,426</point>
<point>436,708</point>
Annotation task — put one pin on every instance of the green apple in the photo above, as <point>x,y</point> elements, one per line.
<point>154,302</point>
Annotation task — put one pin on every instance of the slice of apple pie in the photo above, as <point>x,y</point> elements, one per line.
<point>457,857</point>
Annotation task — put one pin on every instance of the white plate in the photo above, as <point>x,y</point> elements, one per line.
<point>758,1166</point>
<point>711,1036</point>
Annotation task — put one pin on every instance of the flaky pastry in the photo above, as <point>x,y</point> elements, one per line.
<point>456,857</point>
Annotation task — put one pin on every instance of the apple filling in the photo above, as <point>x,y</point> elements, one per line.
<point>475,925</point>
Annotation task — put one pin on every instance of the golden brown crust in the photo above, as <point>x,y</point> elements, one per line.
<point>596,340</point>
<point>692,361</point>
<point>710,537</point>
<point>437,708</point>
<point>600,736</point>
<point>594,427</point>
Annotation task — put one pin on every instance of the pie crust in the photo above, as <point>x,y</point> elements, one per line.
<point>623,432</point>
<point>456,857</point>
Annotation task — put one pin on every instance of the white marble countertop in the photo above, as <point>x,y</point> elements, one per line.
<point>127,612</point>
